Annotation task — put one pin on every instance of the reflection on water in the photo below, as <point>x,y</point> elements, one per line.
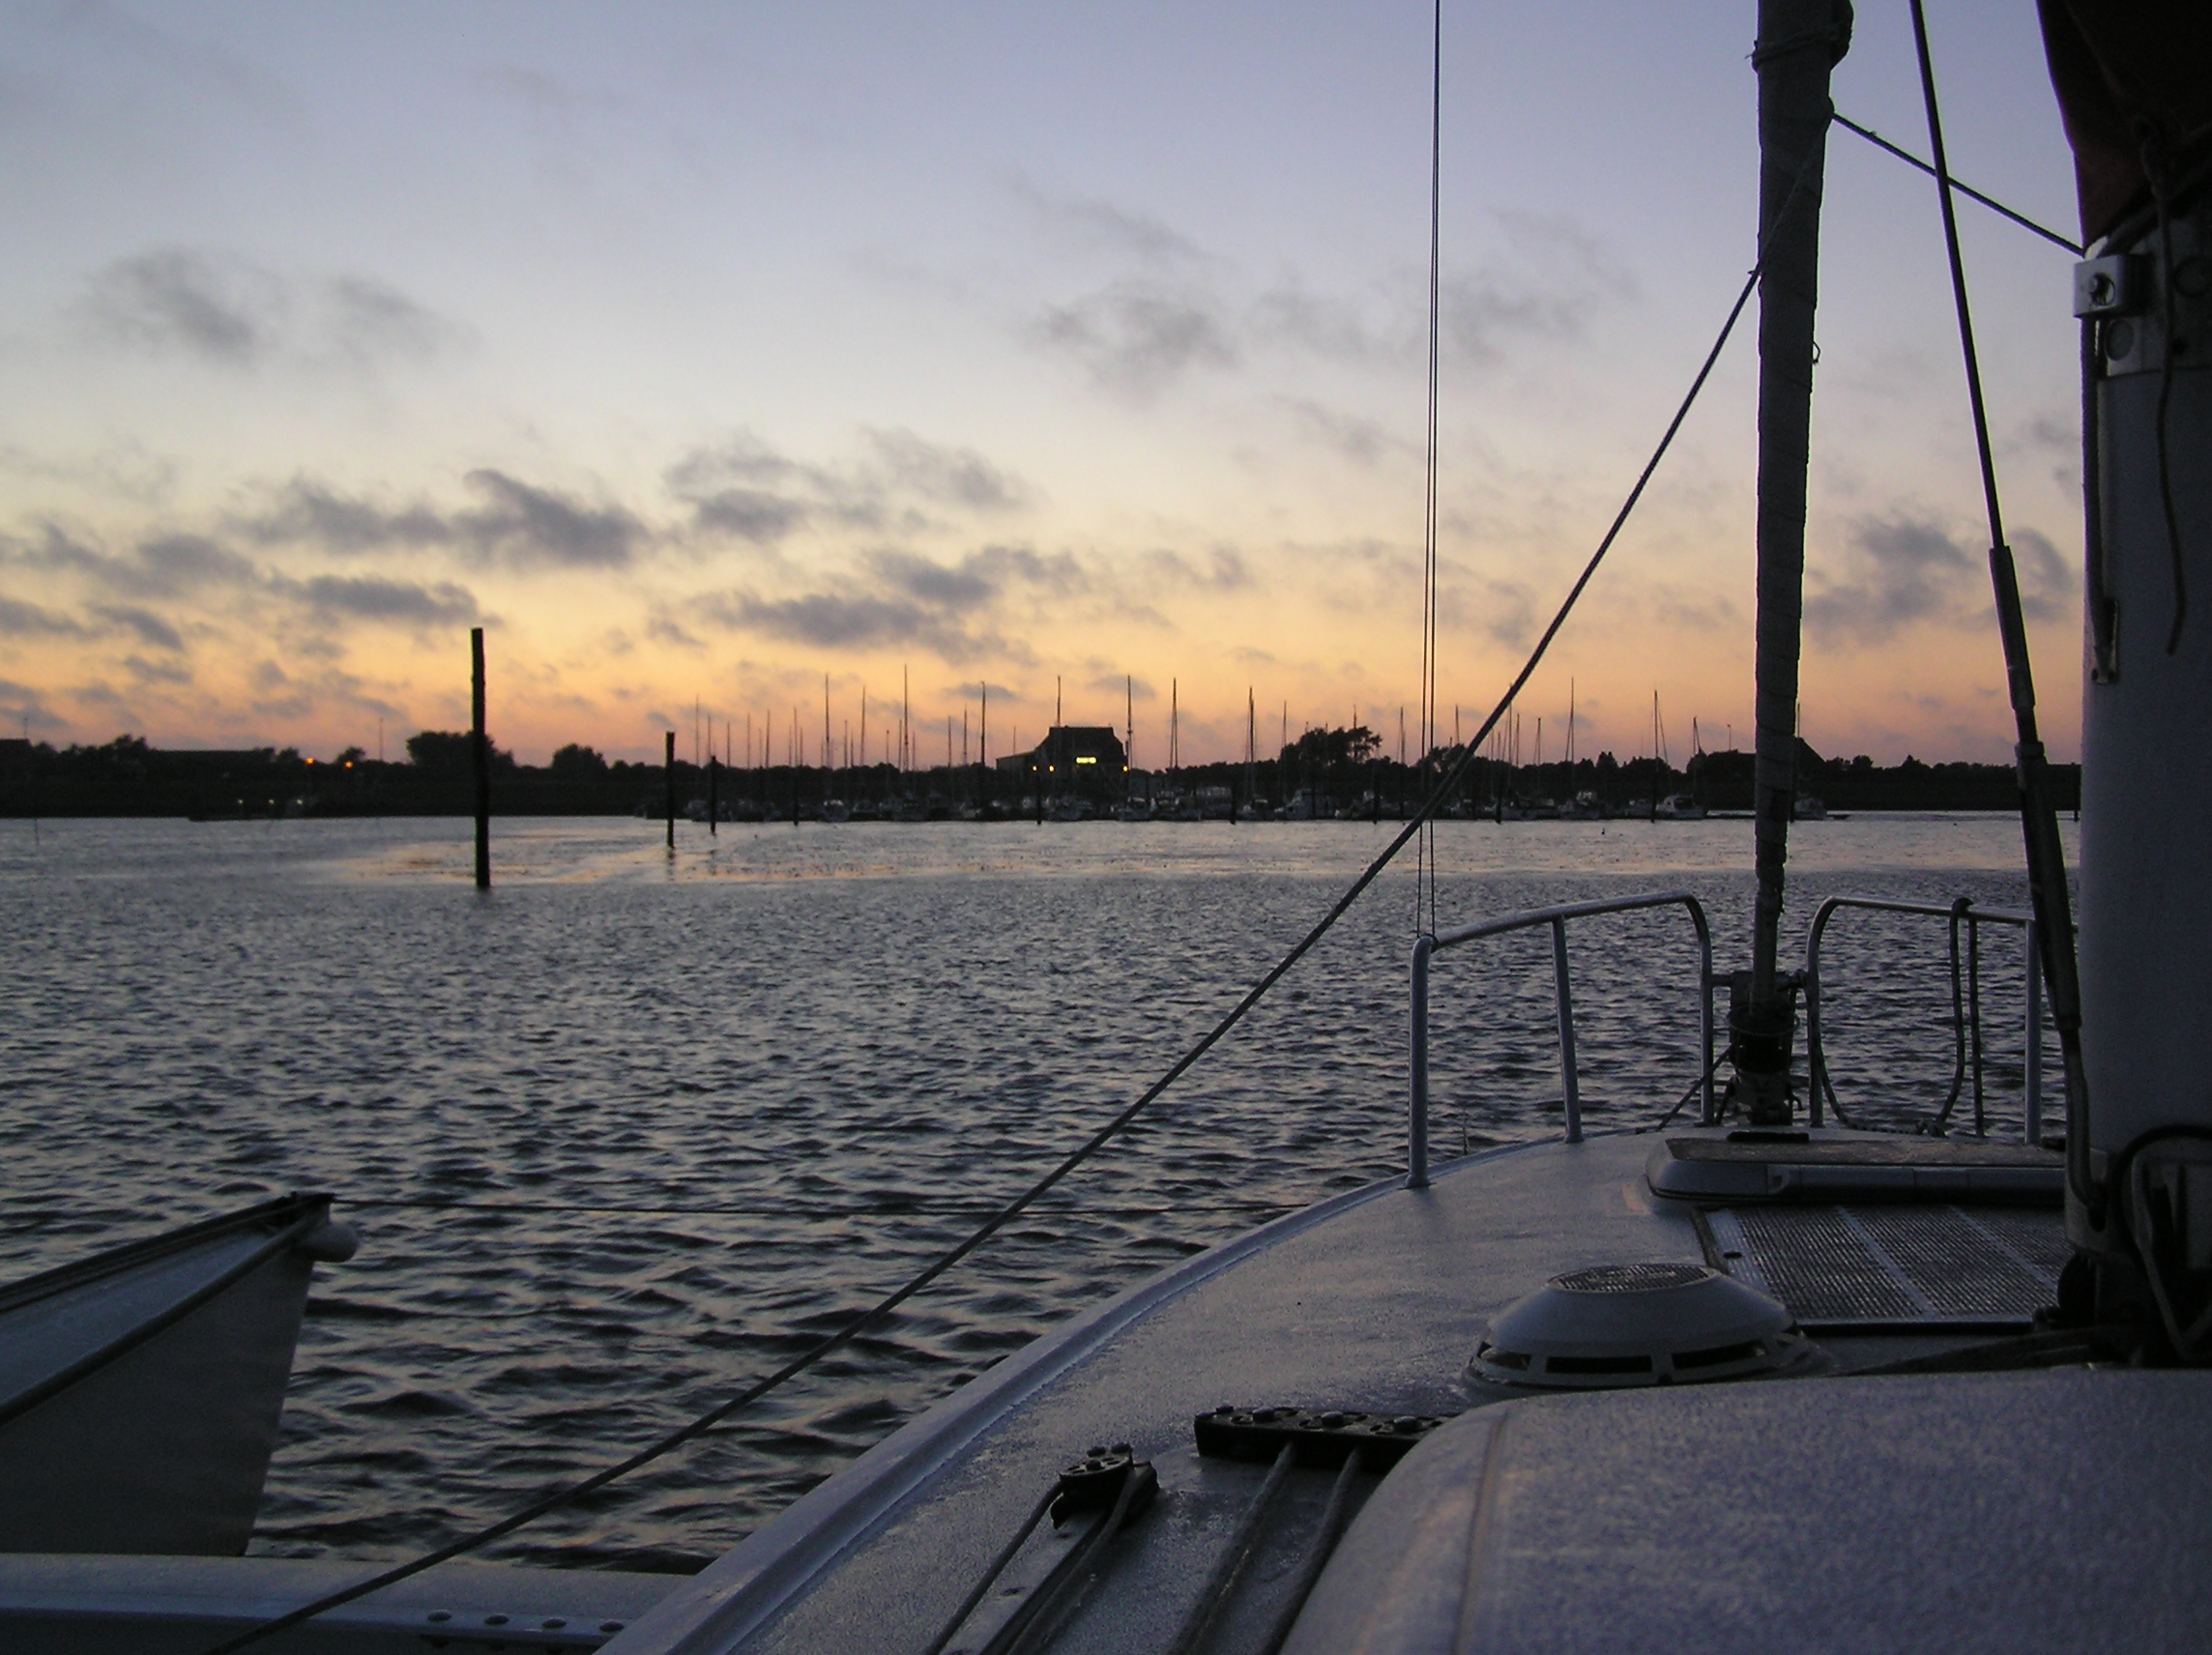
<point>635,1129</point>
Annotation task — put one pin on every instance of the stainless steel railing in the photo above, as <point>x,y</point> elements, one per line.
<point>1966,1005</point>
<point>1427,948</point>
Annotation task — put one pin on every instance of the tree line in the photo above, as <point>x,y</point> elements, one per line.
<point>1328,769</point>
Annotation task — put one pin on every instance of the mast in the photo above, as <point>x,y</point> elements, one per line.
<point>1129,745</point>
<point>2131,1011</point>
<point>1800,42</point>
<point>1175,734</point>
<point>1251,743</point>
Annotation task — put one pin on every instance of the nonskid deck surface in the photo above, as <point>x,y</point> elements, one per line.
<point>1376,1302</point>
<point>1859,1269</point>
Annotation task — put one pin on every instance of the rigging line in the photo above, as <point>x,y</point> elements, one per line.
<point>1966,189</point>
<point>836,1340</point>
<point>2038,816</point>
<point>1426,872</point>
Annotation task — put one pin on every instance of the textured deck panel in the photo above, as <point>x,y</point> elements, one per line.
<point>1896,1263</point>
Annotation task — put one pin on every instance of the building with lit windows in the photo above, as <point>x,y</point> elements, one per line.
<point>1087,760</point>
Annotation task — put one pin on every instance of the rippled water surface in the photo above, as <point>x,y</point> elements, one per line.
<point>635,1129</point>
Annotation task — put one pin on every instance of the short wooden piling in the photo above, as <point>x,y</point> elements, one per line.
<point>668,771</point>
<point>480,758</point>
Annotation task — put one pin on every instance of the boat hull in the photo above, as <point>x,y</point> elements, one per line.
<point>144,1387</point>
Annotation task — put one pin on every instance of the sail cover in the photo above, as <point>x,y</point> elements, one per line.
<point>2133,79</point>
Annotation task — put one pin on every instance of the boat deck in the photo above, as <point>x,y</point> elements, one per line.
<point>1374,1302</point>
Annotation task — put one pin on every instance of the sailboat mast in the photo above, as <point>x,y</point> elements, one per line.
<point>1174,732</point>
<point>1251,742</point>
<point>1800,42</point>
<point>1129,743</point>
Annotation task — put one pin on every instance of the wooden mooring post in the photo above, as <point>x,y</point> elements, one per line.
<point>713,807</point>
<point>668,771</point>
<point>480,758</point>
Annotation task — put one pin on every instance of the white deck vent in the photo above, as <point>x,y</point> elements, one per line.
<point>1618,1325</point>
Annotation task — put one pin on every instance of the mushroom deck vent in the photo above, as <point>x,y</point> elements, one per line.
<point>1615,1326</point>
<point>1630,1278</point>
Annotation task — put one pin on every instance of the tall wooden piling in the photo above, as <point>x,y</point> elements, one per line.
<point>712,809</point>
<point>480,758</point>
<point>668,771</point>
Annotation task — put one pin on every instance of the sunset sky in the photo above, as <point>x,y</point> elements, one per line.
<point>698,351</point>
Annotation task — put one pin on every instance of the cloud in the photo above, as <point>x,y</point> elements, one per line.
<point>1098,222</point>
<point>743,460</point>
<point>1360,441</point>
<point>2050,587</point>
<point>158,672</point>
<point>172,297</point>
<point>978,579</point>
<point>899,481</point>
<point>1900,571</point>
<point>963,587</point>
<point>544,93</point>
<point>20,620</point>
<point>1334,327</point>
<point>306,511</point>
<point>521,525</point>
<point>525,526</point>
<point>1140,335</point>
<point>228,311</point>
<point>1680,609</point>
<point>1223,569</point>
<point>187,566</point>
<point>25,706</point>
<point>149,627</point>
<point>1136,337</point>
<point>1557,275</point>
<point>124,471</point>
<point>951,476</point>
<point>1501,610</point>
<point>1123,684</point>
<point>401,602</point>
<point>164,566</point>
<point>832,620</point>
<point>368,319</point>
<point>898,597</point>
<point>173,565</point>
<point>750,514</point>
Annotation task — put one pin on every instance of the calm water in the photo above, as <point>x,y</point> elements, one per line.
<point>632,1129</point>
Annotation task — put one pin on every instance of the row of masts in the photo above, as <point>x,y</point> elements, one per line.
<point>847,749</point>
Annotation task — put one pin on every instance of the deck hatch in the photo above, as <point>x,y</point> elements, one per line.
<point>1883,1264</point>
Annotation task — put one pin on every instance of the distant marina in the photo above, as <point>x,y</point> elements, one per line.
<point>1076,773</point>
